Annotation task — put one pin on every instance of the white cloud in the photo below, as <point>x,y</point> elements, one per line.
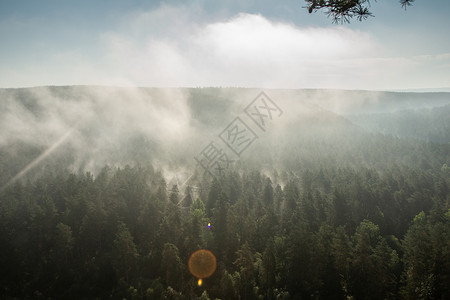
<point>248,50</point>
<point>176,46</point>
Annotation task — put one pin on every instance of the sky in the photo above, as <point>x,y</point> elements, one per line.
<point>228,43</point>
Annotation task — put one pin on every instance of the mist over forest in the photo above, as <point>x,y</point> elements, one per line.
<point>84,128</point>
<point>342,194</point>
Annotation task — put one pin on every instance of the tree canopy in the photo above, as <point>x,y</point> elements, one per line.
<point>370,235</point>
<point>337,213</point>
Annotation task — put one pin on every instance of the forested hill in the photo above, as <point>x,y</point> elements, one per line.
<point>429,124</point>
<point>328,195</point>
<point>84,128</point>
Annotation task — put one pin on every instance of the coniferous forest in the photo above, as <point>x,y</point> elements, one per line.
<point>318,207</point>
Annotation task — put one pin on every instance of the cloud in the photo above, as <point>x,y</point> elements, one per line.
<point>247,50</point>
<point>252,51</point>
<point>181,45</point>
<point>99,125</point>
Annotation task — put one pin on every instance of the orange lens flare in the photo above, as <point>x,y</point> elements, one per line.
<point>200,282</point>
<point>202,263</point>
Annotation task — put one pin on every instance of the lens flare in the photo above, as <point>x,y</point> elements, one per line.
<point>209,225</point>
<point>44,155</point>
<point>202,263</point>
<point>200,282</point>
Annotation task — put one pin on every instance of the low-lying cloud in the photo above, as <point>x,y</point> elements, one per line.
<point>94,125</point>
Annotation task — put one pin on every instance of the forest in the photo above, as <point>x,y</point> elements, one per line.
<point>326,204</point>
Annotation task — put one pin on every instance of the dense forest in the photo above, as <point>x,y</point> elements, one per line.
<point>432,125</point>
<point>318,208</point>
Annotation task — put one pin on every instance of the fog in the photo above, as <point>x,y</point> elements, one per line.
<point>88,127</point>
<point>118,126</point>
<point>98,124</point>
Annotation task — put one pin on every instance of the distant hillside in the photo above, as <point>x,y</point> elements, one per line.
<point>354,102</point>
<point>432,125</point>
<point>83,128</point>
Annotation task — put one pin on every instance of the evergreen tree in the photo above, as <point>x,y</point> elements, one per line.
<point>172,267</point>
<point>174,195</point>
<point>125,255</point>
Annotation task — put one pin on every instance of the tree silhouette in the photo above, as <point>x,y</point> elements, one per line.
<point>343,10</point>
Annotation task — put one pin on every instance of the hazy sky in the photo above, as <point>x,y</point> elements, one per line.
<point>257,43</point>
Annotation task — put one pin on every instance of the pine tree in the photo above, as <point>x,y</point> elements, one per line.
<point>125,254</point>
<point>172,266</point>
<point>343,10</point>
